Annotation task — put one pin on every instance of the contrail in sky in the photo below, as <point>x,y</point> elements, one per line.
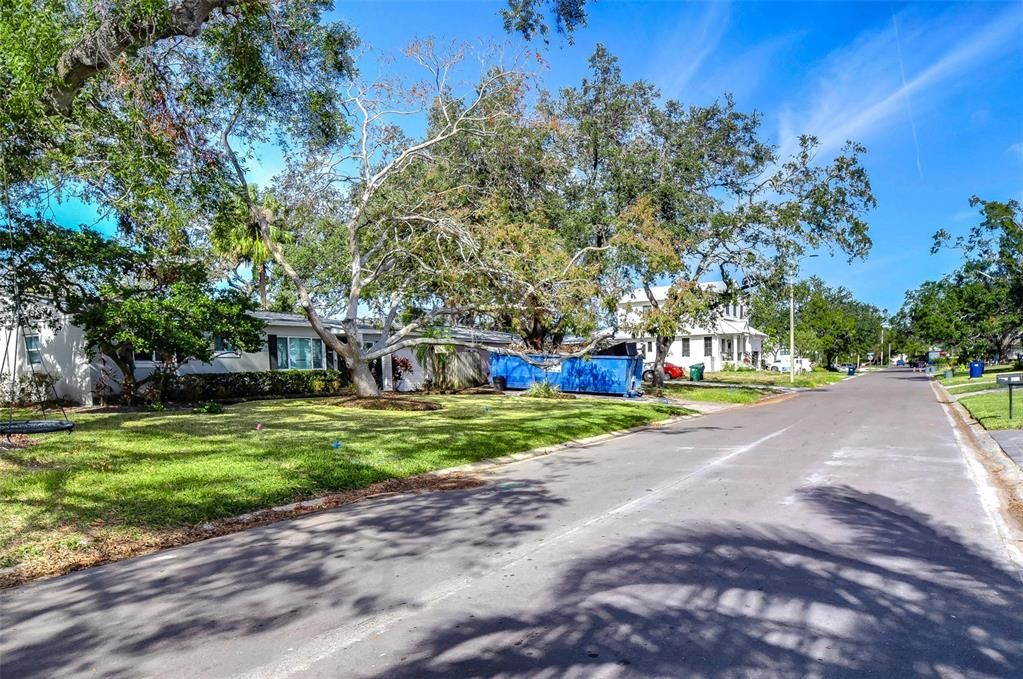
<point>905,95</point>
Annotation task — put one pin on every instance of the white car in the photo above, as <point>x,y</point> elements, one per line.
<point>783,364</point>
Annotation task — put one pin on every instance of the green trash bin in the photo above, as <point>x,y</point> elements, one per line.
<point>696,372</point>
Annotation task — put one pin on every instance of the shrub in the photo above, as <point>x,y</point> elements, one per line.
<point>400,366</point>
<point>242,385</point>
<point>208,408</point>
<point>545,390</point>
<point>1017,364</point>
<point>156,407</point>
<point>30,388</point>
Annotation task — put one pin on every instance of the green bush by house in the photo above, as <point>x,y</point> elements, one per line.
<point>242,385</point>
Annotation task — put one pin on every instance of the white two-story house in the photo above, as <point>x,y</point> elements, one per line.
<point>729,340</point>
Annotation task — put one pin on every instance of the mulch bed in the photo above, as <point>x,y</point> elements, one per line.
<point>107,548</point>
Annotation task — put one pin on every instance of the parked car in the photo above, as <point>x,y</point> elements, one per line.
<point>671,372</point>
<point>842,367</point>
<point>783,365</point>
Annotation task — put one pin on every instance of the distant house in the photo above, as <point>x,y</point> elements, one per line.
<point>290,344</point>
<point>730,339</point>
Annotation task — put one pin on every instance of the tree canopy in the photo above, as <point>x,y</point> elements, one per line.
<point>976,311</point>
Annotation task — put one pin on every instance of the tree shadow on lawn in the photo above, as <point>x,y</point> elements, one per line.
<point>340,563</point>
<point>902,596</point>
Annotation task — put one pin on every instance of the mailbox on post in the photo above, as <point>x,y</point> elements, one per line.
<point>1011,380</point>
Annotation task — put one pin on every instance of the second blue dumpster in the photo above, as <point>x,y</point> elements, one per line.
<point>976,369</point>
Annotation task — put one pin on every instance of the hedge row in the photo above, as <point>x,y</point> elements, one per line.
<point>221,386</point>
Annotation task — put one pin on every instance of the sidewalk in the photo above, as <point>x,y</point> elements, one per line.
<point>1011,441</point>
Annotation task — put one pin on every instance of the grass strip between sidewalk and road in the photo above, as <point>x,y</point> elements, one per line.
<point>694,392</point>
<point>963,376</point>
<point>970,387</point>
<point>130,479</point>
<point>804,380</point>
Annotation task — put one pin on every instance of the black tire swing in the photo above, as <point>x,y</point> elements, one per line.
<point>10,425</point>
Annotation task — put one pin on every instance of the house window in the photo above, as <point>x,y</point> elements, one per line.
<point>650,347</point>
<point>34,349</point>
<point>708,346</point>
<point>685,347</point>
<point>299,353</point>
<point>145,356</point>
<point>153,357</point>
<point>222,345</point>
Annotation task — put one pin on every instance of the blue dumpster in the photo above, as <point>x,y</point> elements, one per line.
<point>976,369</point>
<point>619,375</point>
<point>852,370</point>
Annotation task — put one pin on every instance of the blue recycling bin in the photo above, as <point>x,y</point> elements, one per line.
<point>852,370</point>
<point>976,369</point>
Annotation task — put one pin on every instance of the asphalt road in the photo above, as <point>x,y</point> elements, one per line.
<point>838,533</point>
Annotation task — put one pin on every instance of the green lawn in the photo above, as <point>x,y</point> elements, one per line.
<point>963,376</point>
<point>129,476</point>
<point>816,378</point>
<point>992,410</point>
<point>693,392</point>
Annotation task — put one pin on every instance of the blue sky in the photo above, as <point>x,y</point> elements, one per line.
<point>942,125</point>
<point>934,90</point>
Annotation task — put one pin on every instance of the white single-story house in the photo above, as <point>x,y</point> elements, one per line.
<point>290,343</point>
<point>729,340</point>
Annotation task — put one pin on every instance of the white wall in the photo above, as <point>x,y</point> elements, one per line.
<point>80,377</point>
<point>63,355</point>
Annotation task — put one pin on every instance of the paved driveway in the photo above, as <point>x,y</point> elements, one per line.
<point>838,533</point>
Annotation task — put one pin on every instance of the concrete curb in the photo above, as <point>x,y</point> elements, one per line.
<point>982,438</point>
<point>1004,474</point>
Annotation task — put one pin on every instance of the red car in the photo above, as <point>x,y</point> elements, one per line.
<point>671,372</point>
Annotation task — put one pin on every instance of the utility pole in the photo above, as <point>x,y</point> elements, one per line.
<point>882,346</point>
<point>792,321</point>
<point>792,332</point>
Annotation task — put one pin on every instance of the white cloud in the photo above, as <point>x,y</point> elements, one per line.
<point>858,91</point>
<point>692,42</point>
<point>1017,149</point>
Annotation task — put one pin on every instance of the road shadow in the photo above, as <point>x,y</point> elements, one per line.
<point>901,596</point>
<point>106,620</point>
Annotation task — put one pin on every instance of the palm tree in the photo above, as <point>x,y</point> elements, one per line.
<point>236,237</point>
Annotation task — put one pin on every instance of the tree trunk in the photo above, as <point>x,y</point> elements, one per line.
<point>358,368</point>
<point>362,378</point>
<point>661,346</point>
<point>126,364</point>
<point>261,277</point>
